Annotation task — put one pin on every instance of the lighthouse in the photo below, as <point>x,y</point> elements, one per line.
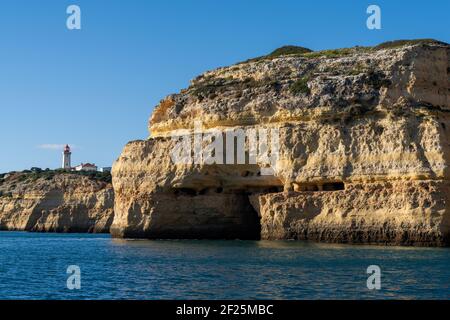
<point>66,158</point>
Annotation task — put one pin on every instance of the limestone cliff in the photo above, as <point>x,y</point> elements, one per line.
<point>55,202</point>
<point>363,137</point>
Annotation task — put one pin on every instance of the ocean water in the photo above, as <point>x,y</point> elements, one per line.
<point>34,265</point>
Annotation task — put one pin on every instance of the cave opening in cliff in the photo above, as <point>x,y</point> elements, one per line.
<point>314,187</point>
<point>236,218</point>
<point>333,186</point>
<point>263,190</point>
<point>250,226</point>
<point>185,192</point>
<point>247,191</point>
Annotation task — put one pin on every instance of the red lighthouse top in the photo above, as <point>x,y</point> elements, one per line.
<point>67,148</point>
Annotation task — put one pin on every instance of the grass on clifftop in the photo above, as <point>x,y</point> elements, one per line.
<point>282,51</point>
<point>47,174</point>
<point>400,43</point>
<point>287,50</point>
<point>341,52</point>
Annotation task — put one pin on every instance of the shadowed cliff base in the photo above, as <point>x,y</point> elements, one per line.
<point>186,215</point>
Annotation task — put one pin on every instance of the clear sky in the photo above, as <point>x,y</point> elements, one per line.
<point>95,88</point>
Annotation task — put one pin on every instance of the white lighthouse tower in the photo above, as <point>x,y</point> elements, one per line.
<point>66,165</point>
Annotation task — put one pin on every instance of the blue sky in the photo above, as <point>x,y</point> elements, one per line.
<point>95,88</point>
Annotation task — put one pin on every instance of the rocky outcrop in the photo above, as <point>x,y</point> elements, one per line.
<point>361,156</point>
<point>397,212</point>
<point>55,202</point>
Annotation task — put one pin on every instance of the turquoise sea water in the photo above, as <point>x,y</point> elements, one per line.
<point>33,266</point>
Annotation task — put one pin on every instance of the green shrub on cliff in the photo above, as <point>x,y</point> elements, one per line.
<point>22,178</point>
<point>300,86</point>
<point>5,194</point>
<point>334,53</point>
<point>47,175</point>
<point>94,175</point>
<point>211,88</point>
<point>282,51</point>
<point>104,176</point>
<point>287,50</point>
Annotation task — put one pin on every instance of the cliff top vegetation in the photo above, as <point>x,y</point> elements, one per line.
<point>34,174</point>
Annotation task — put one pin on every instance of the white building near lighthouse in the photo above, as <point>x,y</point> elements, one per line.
<point>86,167</point>
<point>66,165</point>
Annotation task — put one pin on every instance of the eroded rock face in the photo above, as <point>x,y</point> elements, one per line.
<point>56,203</point>
<point>398,212</point>
<point>363,152</point>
